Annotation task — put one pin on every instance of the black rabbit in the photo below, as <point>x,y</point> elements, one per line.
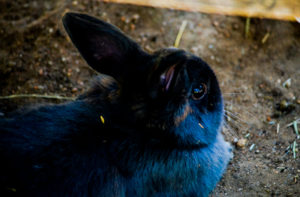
<point>150,126</point>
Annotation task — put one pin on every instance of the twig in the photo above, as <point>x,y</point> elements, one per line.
<point>58,8</point>
<point>37,96</point>
<point>179,35</point>
<point>292,123</point>
<point>247,27</point>
<point>296,128</point>
<point>252,147</point>
<point>294,149</point>
<point>232,115</point>
<point>265,38</point>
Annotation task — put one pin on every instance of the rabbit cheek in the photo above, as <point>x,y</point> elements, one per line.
<point>186,111</point>
<point>194,127</point>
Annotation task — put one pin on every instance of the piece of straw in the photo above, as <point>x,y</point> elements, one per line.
<point>247,27</point>
<point>179,35</point>
<point>265,38</point>
<point>37,96</point>
<point>294,149</point>
<point>296,128</point>
<point>102,119</point>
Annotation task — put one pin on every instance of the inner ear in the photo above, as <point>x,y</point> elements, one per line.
<point>105,48</point>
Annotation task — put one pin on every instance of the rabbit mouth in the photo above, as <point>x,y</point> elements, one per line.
<point>166,78</point>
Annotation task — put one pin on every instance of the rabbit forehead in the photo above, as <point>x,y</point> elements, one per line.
<point>172,56</point>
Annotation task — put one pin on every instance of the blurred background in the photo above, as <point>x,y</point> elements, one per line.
<point>256,60</point>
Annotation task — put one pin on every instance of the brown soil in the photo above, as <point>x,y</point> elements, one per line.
<point>37,57</point>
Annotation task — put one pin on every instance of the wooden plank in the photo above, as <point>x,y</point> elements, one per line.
<point>276,9</point>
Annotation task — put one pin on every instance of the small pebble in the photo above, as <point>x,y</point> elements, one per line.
<point>74,90</point>
<point>123,18</point>
<point>241,143</point>
<point>235,140</point>
<point>287,83</point>
<point>291,96</point>
<point>80,83</point>
<point>41,72</point>
<point>38,87</point>
<point>75,3</point>
<point>252,147</point>
<point>235,26</point>
<point>216,23</point>
<point>132,27</point>
<point>136,17</point>
<point>283,104</point>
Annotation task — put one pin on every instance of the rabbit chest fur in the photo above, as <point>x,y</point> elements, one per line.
<point>148,126</point>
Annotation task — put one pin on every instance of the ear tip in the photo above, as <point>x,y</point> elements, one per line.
<point>69,16</point>
<point>66,19</point>
<point>73,21</point>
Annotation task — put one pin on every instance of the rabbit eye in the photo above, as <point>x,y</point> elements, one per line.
<point>199,92</point>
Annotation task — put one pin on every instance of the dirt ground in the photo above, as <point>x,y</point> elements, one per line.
<point>259,76</point>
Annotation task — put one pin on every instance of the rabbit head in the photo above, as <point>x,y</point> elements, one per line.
<point>172,95</point>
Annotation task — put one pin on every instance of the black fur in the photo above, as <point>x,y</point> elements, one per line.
<point>139,131</point>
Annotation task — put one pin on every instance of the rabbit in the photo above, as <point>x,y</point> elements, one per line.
<point>150,125</point>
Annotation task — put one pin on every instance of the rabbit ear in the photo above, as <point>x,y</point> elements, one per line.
<point>105,48</point>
